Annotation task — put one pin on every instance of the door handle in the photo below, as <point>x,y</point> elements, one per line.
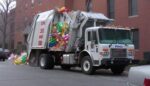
<point>96,49</point>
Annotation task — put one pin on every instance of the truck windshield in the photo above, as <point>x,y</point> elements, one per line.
<point>113,36</point>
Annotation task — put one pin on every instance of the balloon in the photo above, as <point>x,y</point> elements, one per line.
<point>52,39</point>
<point>59,26</point>
<point>58,36</point>
<point>63,9</point>
<point>66,37</point>
<point>24,58</point>
<point>54,30</point>
<point>66,26</point>
<point>17,61</point>
<point>50,35</point>
<point>52,42</point>
<point>63,31</point>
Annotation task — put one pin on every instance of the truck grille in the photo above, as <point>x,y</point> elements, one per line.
<point>118,53</point>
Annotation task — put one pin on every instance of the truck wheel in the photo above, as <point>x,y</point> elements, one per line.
<point>117,70</point>
<point>3,59</point>
<point>86,65</point>
<point>46,61</point>
<point>32,59</point>
<point>65,67</point>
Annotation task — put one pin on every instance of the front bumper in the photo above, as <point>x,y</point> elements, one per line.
<point>116,61</point>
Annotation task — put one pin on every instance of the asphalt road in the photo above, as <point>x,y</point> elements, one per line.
<point>24,75</point>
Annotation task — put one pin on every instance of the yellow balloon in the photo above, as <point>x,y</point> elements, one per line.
<point>18,61</point>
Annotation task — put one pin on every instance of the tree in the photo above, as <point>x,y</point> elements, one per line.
<point>5,7</point>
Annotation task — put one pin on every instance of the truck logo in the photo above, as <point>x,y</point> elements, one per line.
<point>118,46</point>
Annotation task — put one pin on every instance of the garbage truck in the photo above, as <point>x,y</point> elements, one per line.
<point>79,39</point>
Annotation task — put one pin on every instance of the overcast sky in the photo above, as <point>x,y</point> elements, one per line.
<point>12,5</point>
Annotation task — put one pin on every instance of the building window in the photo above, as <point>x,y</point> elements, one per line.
<point>39,1</point>
<point>111,8</point>
<point>133,7</point>
<point>136,38</point>
<point>26,5</point>
<point>88,5</point>
<point>32,3</point>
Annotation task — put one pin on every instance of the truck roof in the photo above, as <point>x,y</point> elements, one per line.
<point>119,28</point>
<point>44,15</point>
<point>93,15</point>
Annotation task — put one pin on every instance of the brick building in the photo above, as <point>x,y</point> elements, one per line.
<point>126,13</point>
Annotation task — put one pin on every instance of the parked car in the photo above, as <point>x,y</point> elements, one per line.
<point>139,76</point>
<point>4,54</point>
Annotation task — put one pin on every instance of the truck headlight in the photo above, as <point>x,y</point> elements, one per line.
<point>130,52</point>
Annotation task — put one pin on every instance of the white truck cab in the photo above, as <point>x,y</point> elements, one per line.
<point>109,47</point>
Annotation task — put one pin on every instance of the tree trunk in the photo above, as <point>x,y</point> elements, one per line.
<point>4,40</point>
<point>4,36</point>
<point>4,13</point>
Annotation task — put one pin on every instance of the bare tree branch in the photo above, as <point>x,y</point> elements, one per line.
<point>2,5</point>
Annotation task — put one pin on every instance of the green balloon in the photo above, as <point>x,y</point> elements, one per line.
<point>24,58</point>
<point>59,26</point>
<point>52,40</point>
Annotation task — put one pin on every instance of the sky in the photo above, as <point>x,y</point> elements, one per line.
<point>12,5</point>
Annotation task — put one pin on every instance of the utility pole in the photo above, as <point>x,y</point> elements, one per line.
<point>88,5</point>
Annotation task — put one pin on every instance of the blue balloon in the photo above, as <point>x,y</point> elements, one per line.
<point>52,44</point>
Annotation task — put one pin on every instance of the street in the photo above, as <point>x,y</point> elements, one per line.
<point>24,75</point>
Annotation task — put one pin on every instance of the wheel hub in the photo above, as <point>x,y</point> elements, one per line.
<point>42,62</point>
<point>86,65</point>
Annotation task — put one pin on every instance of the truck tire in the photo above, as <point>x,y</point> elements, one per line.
<point>3,59</point>
<point>65,67</point>
<point>86,65</point>
<point>32,59</point>
<point>46,61</point>
<point>117,70</point>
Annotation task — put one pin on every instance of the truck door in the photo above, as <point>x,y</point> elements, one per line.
<point>92,45</point>
<point>92,41</point>
<point>88,42</point>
